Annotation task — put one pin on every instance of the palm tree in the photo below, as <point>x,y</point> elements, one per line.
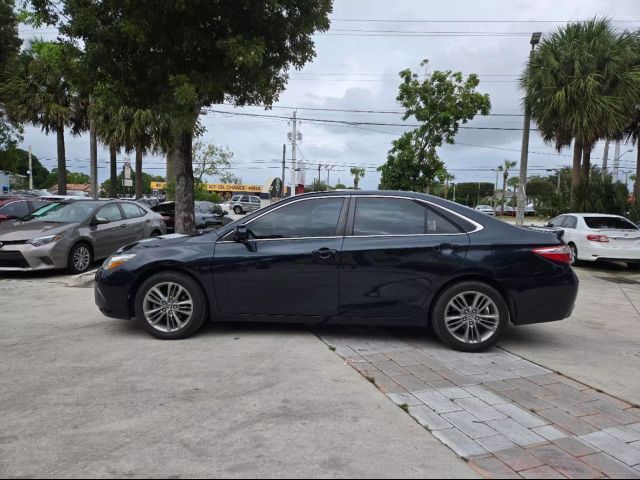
<point>42,89</point>
<point>357,173</point>
<point>578,86</point>
<point>505,176</point>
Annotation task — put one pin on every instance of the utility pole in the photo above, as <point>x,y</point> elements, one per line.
<point>524,154</point>
<point>30,170</point>
<point>605,157</point>
<point>616,163</point>
<point>319,167</point>
<point>93,151</point>
<point>284,158</point>
<point>329,168</point>
<point>294,138</point>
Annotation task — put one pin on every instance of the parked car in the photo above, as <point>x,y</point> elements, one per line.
<point>595,237</point>
<point>15,208</point>
<point>508,211</point>
<point>72,234</point>
<point>395,258</point>
<point>486,209</point>
<point>207,215</point>
<point>529,210</point>
<point>240,204</point>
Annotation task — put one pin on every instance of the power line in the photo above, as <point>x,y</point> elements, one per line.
<point>387,20</point>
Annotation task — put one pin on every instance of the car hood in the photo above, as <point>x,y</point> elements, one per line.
<point>17,230</point>
<point>157,242</point>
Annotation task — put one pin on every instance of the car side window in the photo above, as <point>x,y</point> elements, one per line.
<point>570,222</point>
<point>110,212</point>
<point>395,216</point>
<point>307,218</point>
<point>217,209</point>
<point>131,210</point>
<point>17,209</point>
<point>244,199</point>
<point>255,200</point>
<point>557,222</point>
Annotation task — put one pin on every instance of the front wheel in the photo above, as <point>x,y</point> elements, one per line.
<point>470,316</point>
<point>80,258</point>
<point>170,306</point>
<point>574,254</point>
<point>237,210</point>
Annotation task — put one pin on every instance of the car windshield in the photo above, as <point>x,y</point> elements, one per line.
<point>62,212</point>
<point>609,223</point>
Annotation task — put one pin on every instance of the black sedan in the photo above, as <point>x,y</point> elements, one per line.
<point>381,258</point>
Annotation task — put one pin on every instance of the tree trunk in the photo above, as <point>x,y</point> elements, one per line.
<point>636,185</point>
<point>586,164</point>
<point>183,168</point>
<point>62,163</point>
<point>575,174</point>
<point>504,191</point>
<point>113,172</point>
<point>171,173</point>
<point>139,187</point>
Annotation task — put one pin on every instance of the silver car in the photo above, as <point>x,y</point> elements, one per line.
<point>244,204</point>
<point>72,234</point>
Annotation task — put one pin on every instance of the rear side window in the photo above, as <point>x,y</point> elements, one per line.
<point>132,211</point>
<point>609,223</point>
<point>394,216</point>
<point>17,209</point>
<point>164,208</point>
<point>255,200</point>
<point>244,199</point>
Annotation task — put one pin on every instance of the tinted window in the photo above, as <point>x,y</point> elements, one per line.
<point>15,209</point>
<point>217,209</point>
<point>393,216</point>
<point>255,200</point>
<point>235,198</point>
<point>131,210</point>
<point>244,199</point>
<point>110,212</point>
<point>308,218</point>
<point>164,207</point>
<point>570,222</point>
<point>609,223</point>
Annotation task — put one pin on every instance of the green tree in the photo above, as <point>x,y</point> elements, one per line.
<point>179,57</point>
<point>317,186</point>
<point>540,187</point>
<point>441,103</point>
<point>469,193</point>
<point>340,186</point>
<point>16,160</point>
<point>357,173</point>
<point>9,48</point>
<point>579,86</point>
<point>41,90</point>
<point>504,168</point>
<point>231,178</point>
<point>210,160</point>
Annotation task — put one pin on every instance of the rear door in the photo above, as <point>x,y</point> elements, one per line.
<point>395,252</point>
<point>290,264</point>
<point>137,227</point>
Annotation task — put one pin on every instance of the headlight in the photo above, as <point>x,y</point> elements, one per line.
<point>39,242</point>
<point>115,261</point>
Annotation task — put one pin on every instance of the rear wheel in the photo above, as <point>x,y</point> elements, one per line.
<point>470,316</point>
<point>80,258</point>
<point>237,210</point>
<point>574,254</point>
<point>170,306</point>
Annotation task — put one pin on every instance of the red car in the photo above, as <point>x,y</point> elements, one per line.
<point>12,208</point>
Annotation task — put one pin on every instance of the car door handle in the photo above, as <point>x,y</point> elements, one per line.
<point>324,253</point>
<point>123,226</point>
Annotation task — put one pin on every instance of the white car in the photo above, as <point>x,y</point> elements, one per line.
<point>595,236</point>
<point>486,209</point>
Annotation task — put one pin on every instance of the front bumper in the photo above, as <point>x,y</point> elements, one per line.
<point>26,257</point>
<point>112,294</point>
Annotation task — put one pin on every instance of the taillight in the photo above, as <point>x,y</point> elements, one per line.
<point>598,238</point>
<point>560,254</point>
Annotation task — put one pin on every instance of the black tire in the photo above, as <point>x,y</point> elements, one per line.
<point>237,210</point>
<point>468,289</point>
<point>80,258</point>
<point>156,233</point>
<point>198,315</point>
<point>574,254</point>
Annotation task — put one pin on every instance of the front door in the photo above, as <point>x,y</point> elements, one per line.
<point>397,250</point>
<point>107,238</point>
<point>290,264</point>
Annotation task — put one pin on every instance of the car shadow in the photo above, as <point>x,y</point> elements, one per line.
<point>41,274</point>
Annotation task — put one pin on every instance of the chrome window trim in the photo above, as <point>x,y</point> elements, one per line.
<point>478,226</point>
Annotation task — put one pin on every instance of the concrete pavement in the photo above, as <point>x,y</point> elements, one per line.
<point>82,395</point>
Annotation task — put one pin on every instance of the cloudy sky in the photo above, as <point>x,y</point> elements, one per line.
<point>356,68</point>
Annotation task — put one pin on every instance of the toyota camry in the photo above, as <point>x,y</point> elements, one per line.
<point>347,257</point>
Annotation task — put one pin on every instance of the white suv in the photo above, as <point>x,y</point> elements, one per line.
<point>486,209</point>
<point>244,204</point>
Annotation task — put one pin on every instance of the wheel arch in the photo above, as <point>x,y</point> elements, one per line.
<point>474,277</point>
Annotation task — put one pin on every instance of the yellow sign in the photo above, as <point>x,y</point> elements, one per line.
<point>216,187</point>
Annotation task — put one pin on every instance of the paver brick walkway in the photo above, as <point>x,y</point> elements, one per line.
<point>509,417</point>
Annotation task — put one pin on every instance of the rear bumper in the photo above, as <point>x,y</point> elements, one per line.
<point>595,252</point>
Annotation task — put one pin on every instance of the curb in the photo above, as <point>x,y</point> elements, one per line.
<point>83,280</point>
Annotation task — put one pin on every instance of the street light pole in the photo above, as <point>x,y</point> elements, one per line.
<point>524,155</point>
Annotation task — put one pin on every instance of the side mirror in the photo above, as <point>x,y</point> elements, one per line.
<point>100,221</point>
<point>242,233</point>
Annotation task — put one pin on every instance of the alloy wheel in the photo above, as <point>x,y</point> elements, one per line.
<point>472,317</point>
<point>81,258</point>
<point>167,307</point>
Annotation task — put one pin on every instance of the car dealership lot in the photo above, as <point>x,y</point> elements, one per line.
<point>83,394</point>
